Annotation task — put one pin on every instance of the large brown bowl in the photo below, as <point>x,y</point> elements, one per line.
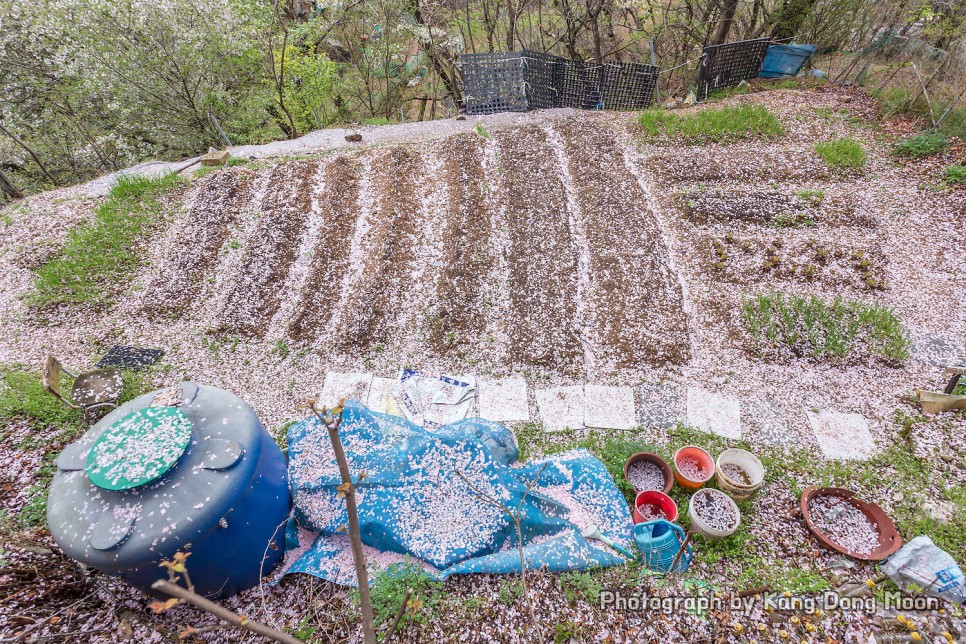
<point>889,539</point>
<point>657,460</point>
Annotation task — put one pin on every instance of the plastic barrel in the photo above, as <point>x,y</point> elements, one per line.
<point>201,477</point>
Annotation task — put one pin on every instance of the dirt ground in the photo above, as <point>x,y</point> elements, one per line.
<point>560,247</point>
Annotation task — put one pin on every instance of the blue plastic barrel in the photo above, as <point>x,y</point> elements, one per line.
<point>189,469</point>
<point>785,60</point>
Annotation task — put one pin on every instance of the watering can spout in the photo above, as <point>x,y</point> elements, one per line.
<point>593,532</point>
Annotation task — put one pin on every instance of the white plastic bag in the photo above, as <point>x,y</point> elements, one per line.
<point>921,563</point>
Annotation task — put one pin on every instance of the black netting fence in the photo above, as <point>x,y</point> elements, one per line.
<point>522,80</point>
<point>728,64</point>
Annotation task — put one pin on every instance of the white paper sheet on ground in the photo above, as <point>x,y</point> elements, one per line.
<point>504,401</point>
<point>345,385</point>
<point>561,407</point>
<point>607,407</point>
<point>714,413</point>
<point>382,396</point>
<point>842,436</point>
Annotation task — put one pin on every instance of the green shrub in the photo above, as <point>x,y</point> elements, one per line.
<point>98,254</point>
<point>827,331</point>
<point>922,145</point>
<point>719,124</point>
<point>956,174</point>
<point>389,588</point>
<point>842,153</point>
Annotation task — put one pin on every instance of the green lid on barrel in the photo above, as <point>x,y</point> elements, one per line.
<point>138,448</point>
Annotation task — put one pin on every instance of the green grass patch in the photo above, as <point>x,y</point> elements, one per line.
<point>718,124</point>
<point>792,220</point>
<point>100,254</point>
<point>51,426</point>
<point>842,153</point>
<point>921,145</point>
<point>827,331</point>
<point>812,196</point>
<point>956,174</point>
<point>389,588</point>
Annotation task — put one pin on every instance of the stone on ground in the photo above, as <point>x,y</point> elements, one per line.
<point>561,407</point>
<point>714,413</point>
<point>504,401</point>
<point>608,407</point>
<point>938,351</point>
<point>663,405</point>
<point>345,385</point>
<point>767,424</point>
<point>842,436</point>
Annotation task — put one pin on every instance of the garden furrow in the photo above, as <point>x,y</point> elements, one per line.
<point>320,291</point>
<point>542,254</point>
<point>194,251</point>
<point>255,293</point>
<point>635,296</point>
<point>467,255</point>
<point>374,302</point>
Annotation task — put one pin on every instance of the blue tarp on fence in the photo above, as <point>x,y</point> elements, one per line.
<point>412,501</point>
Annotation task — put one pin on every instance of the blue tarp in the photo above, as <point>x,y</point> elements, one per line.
<point>785,60</point>
<point>412,502</point>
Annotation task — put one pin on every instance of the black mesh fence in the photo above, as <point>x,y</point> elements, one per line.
<point>494,82</point>
<point>518,81</point>
<point>728,64</point>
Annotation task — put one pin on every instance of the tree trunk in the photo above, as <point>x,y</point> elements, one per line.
<point>8,187</point>
<point>790,18</point>
<point>727,18</point>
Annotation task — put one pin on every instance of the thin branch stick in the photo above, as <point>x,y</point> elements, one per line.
<point>925,92</point>
<point>681,550</point>
<point>222,613</point>
<point>399,614</point>
<point>515,516</point>
<point>36,159</point>
<point>348,489</point>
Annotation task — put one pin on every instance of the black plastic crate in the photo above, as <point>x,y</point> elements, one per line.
<point>728,64</point>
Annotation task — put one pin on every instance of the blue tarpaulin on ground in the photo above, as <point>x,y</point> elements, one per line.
<point>413,503</point>
<point>785,60</point>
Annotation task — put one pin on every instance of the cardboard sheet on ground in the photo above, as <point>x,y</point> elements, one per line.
<point>412,502</point>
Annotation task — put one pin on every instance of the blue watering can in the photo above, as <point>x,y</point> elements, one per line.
<point>659,542</point>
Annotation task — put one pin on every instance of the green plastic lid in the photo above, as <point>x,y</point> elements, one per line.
<point>138,448</point>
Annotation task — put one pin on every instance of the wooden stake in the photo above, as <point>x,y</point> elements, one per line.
<point>681,550</point>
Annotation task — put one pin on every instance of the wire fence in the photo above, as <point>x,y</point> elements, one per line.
<point>524,80</point>
<point>728,64</point>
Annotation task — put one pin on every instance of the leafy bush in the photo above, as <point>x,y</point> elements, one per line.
<point>828,331</point>
<point>720,124</point>
<point>956,174</point>
<point>842,153</point>
<point>98,254</point>
<point>922,145</point>
<point>389,588</point>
